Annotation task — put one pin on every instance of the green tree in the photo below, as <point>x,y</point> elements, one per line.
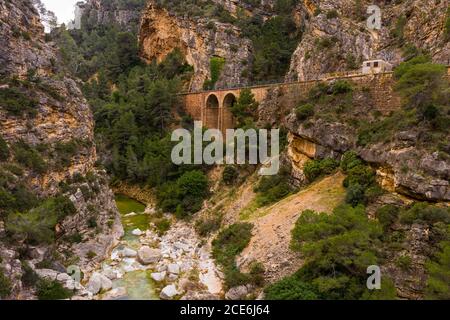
<point>438,285</point>
<point>244,108</point>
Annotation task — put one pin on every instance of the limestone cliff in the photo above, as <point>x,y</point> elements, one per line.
<point>103,12</point>
<point>199,39</point>
<point>337,39</point>
<point>48,128</point>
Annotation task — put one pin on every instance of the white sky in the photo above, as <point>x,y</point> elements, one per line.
<point>64,9</point>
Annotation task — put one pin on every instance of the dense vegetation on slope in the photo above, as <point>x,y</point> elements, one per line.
<point>135,108</point>
<point>339,247</point>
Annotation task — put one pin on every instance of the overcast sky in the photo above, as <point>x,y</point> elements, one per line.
<point>64,9</point>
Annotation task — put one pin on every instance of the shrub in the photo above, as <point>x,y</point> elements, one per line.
<point>163,225</point>
<point>52,290</point>
<point>38,224</point>
<point>304,112</point>
<point>5,285</point>
<point>208,226</point>
<point>228,244</point>
<point>404,262</point>
<point>256,274</point>
<point>29,157</point>
<point>290,288</point>
<point>337,248</point>
<point>229,175</point>
<point>360,174</point>
<point>355,195</point>
<point>341,87</point>
<point>438,283</point>
<point>17,103</point>
<point>216,67</point>
<point>4,150</point>
<point>387,215</point>
<point>350,160</point>
<point>316,168</point>
<point>425,213</point>
<point>272,189</point>
<point>186,195</point>
<point>29,276</point>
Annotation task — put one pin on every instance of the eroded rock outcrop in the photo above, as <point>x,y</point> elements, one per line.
<point>51,138</point>
<point>199,39</point>
<point>336,37</point>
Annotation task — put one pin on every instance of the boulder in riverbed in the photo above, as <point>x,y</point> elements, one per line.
<point>169,292</point>
<point>99,282</point>
<point>158,276</point>
<point>137,232</point>
<point>147,255</point>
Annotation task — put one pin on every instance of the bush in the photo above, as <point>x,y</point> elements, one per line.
<point>52,290</point>
<point>337,248</point>
<point>163,225</point>
<point>228,244</point>
<point>355,195</point>
<point>29,157</point>
<point>38,224</point>
<point>208,226</point>
<point>341,87</point>
<point>387,215</point>
<point>17,103</point>
<point>316,168</point>
<point>185,196</point>
<point>425,213</point>
<point>5,285</point>
<point>29,276</point>
<point>360,175</point>
<point>290,288</point>
<point>438,284</point>
<point>272,189</point>
<point>350,160</point>
<point>4,150</point>
<point>229,175</point>
<point>304,112</point>
<point>404,262</point>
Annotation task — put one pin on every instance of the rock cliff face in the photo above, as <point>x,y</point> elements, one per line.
<point>52,115</point>
<point>105,12</point>
<point>336,36</point>
<point>199,40</point>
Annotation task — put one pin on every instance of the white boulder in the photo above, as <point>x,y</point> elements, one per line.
<point>169,292</point>
<point>158,276</point>
<point>147,255</point>
<point>173,268</point>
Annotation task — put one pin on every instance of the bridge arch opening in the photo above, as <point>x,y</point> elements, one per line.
<point>212,112</point>
<point>228,118</point>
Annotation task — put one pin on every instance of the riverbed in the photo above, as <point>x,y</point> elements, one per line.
<point>138,284</point>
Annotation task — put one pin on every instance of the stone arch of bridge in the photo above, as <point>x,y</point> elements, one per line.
<point>212,112</point>
<point>227,119</point>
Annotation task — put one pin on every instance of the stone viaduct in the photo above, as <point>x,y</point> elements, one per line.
<point>213,107</point>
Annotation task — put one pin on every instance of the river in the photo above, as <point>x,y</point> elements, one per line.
<point>138,284</point>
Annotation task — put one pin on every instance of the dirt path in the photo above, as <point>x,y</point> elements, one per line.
<point>273,225</point>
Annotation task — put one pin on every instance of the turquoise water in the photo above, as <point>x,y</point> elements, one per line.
<point>139,285</point>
